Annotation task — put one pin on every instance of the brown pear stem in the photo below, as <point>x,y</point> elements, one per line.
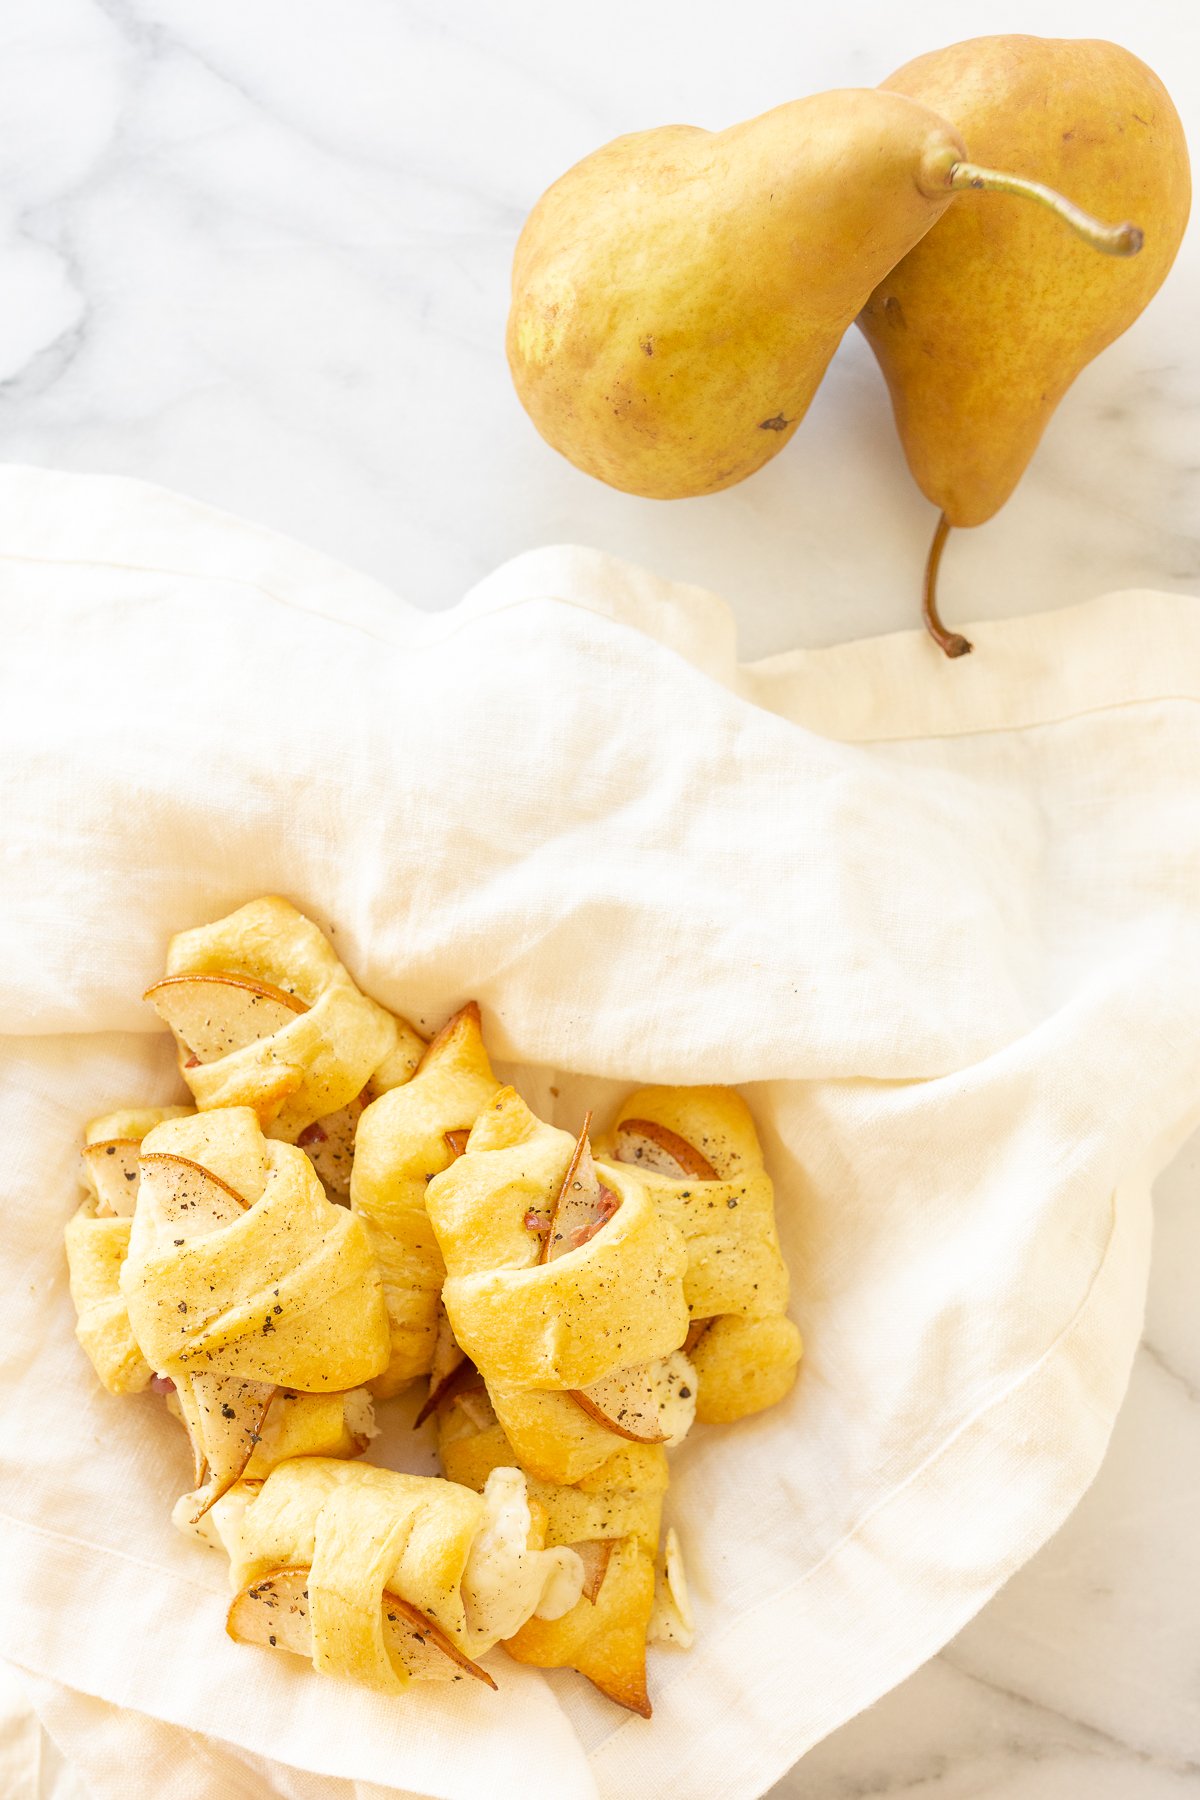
<point>1113,240</point>
<point>952,642</point>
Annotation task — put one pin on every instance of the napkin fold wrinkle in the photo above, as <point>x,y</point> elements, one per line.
<point>938,922</point>
<point>105,1749</point>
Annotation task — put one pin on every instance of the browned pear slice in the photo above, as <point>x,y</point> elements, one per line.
<point>230,1414</point>
<point>582,1206</point>
<point>214,1015</point>
<point>423,1647</point>
<point>595,1554</point>
<point>652,1403</point>
<point>456,1142</point>
<point>223,1414</point>
<point>461,1385</point>
<point>328,1143</point>
<point>447,1369</point>
<point>660,1150</point>
<point>112,1169</point>
<point>696,1331</point>
<point>181,1404</point>
<point>186,1195</point>
<point>274,1611</point>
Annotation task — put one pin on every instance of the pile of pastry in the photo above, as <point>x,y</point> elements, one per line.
<point>345,1210</point>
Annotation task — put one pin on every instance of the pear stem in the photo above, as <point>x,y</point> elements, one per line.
<point>1112,240</point>
<point>952,642</point>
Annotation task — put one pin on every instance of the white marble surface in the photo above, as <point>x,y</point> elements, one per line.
<point>259,252</point>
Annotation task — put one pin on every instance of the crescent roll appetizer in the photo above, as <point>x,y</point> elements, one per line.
<point>349,1208</point>
<point>611,1520</point>
<point>242,1277</point>
<point>97,1240</point>
<point>564,1286</point>
<point>404,1138</point>
<point>698,1153</point>
<point>265,1015</point>
<point>387,1578</point>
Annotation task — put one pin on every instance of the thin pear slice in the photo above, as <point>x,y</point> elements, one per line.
<point>223,1414</point>
<point>274,1611</point>
<point>423,1647</point>
<point>465,1381</point>
<point>582,1206</point>
<point>696,1331</point>
<point>186,1195</point>
<point>660,1150</point>
<point>230,1415</point>
<point>111,1166</point>
<point>328,1144</point>
<point>182,1405</point>
<point>595,1555</point>
<point>448,1363</point>
<point>652,1403</point>
<point>671,1618</point>
<point>214,1015</point>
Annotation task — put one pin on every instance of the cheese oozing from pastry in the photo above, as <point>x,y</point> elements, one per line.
<point>506,1582</point>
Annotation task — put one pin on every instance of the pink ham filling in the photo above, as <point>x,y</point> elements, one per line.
<point>606,1206</point>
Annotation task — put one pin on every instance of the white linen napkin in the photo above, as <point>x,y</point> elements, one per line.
<point>939,922</point>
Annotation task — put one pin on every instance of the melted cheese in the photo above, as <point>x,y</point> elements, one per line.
<point>505,1581</point>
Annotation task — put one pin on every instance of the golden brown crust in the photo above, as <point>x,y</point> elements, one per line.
<point>604,1639</point>
<point>325,1056</point>
<point>96,1249</point>
<point>402,1143</point>
<point>619,1505</point>
<point>287,1293</point>
<point>746,1358</point>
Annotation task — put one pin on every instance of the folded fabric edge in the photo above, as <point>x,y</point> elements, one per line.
<point>121,1754</point>
<point>1058,1417</point>
<point>1115,650</point>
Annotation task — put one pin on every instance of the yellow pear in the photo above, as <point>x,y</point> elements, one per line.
<point>678,294</point>
<point>987,321</point>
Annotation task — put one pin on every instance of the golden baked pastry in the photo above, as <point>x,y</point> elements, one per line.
<point>698,1153</point>
<point>266,1016</point>
<point>611,1520</point>
<point>96,1248</point>
<point>567,1294</point>
<point>242,1277</point>
<point>384,1578</point>
<point>97,1240</point>
<point>404,1138</point>
<point>574,1312</point>
<point>340,1425</point>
